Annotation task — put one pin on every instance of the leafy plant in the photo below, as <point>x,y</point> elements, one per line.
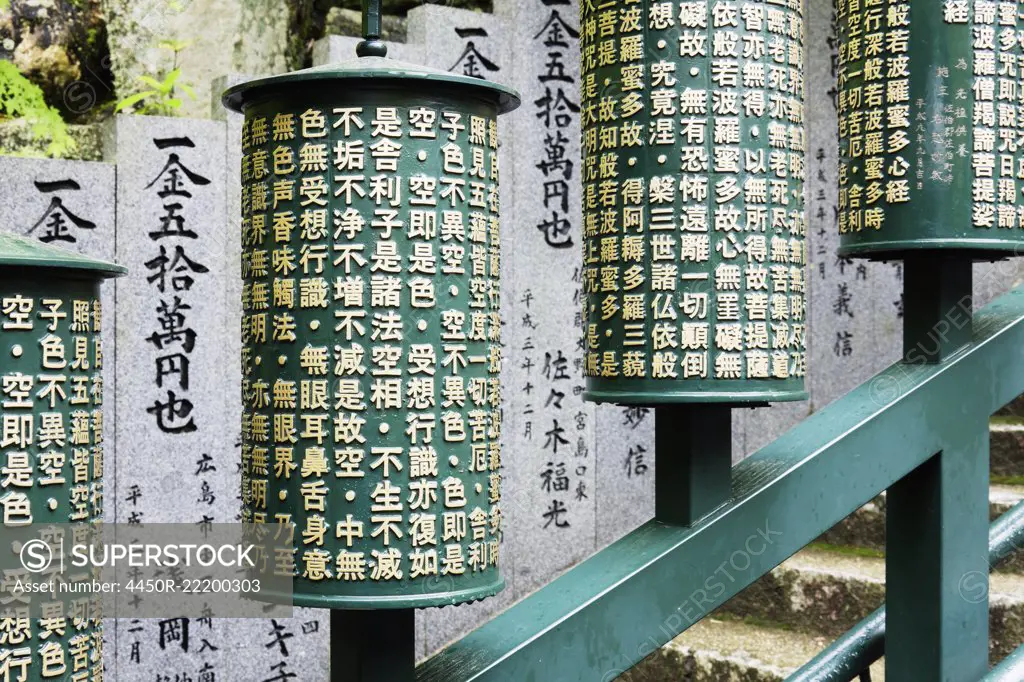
<point>161,96</point>
<point>20,98</point>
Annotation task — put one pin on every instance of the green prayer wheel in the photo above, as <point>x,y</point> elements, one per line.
<point>929,121</point>
<point>52,445</point>
<point>695,258</point>
<point>371,330</point>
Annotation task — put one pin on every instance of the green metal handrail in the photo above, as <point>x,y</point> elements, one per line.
<point>1010,670</point>
<point>609,612</point>
<point>864,643</point>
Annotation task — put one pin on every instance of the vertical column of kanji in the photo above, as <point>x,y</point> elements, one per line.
<point>475,44</point>
<point>174,440</point>
<point>614,221</point>
<point>256,645</point>
<point>877,286</point>
<point>71,204</point>
<point>552,509</point>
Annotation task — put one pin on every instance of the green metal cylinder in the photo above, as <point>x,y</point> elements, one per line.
<point>929,125</point>
<point>51,444</point>
<point>371,330</point>
<point>695,259</point>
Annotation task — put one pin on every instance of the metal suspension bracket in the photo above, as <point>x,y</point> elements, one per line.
<point>371,45</point>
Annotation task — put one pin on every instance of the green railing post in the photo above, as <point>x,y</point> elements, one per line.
<point>937,306</point>
<point>937,515</point>
<point>373,646</point>
<point>693,455</point>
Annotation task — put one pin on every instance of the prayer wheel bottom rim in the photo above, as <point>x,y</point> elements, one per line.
<point>753,397</point>
<point>414,599</point>
<point>978,249</point>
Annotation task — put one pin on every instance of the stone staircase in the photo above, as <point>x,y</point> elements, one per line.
<point>772,628</point>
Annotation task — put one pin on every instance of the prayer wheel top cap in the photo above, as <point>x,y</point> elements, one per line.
<point>26,252</point>
<point>368,72</point>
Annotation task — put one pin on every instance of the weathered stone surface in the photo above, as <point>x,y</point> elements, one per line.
<point>994,279</point>
<point>61,46</point>
<point>16,139</point>
<point>172,466</point>
<point>728,650</point>
<point>262,45</point>
<point>826,593</point>
<point>278,36</point>
<point>184,157</point>
<point>762,425</point>
<point>349,22</point>
<point>70,204</point>
<point>1006,443</point>
<point>136,28</point>
<point>466,42</point>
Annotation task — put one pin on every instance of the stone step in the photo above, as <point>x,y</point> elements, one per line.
<point>725,649</point>
<point>1006,444</point>
<point>1014,409</point>
<point>826,592</point>
<point>865,528</point>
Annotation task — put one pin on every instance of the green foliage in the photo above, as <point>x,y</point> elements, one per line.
<point>161,95</point>
<point>20,98</point>
<point>847,550</point>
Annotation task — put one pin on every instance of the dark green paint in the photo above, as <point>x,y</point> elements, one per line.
<point>373,83</point>
<point>936,569</point>
<point>937,304</point>
<point>371,45</point>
